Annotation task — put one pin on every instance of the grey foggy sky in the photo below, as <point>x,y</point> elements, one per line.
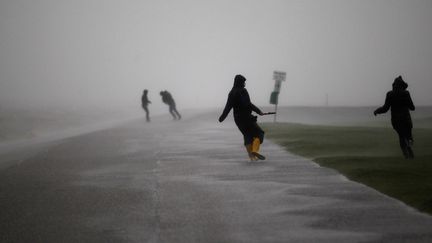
<point>88,52</point>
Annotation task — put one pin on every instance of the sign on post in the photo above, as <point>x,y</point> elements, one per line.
<point>274,98</point>
<point>277,86</point>
<point>278,77</point>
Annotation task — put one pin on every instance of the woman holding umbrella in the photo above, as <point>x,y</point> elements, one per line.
<point>239,100</point>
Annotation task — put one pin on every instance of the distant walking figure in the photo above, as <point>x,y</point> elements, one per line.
<point>239,100</point>
<point>168,99</point>
<point>399,100</point>
<point>144,102</point>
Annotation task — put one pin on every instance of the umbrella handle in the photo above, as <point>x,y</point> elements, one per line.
<point>268,113</point>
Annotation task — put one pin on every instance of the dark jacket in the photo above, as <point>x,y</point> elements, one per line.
<point>400,103</point>
<point>167,98</point>
<point>239,100</point>
<point>144,100</point>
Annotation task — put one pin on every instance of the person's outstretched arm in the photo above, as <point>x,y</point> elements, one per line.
<point>385,107</point>
<point>256,109</point>
<point>226,110</point>
<point>248,102</point>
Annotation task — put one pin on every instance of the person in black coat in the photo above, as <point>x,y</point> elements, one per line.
<point>168,99</point>
<point>239,100</point>
<point>400,103</point>
<point>144,102</point>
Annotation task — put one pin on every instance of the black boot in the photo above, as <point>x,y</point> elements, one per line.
<point>410,153</point>
<point>405,153</point>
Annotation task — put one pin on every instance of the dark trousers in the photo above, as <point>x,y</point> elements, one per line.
<point>174,112</point>
<point>147,113</point>
<point>405,140</point>
<point>249,128</point>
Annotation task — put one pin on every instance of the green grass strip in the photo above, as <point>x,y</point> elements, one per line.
<point>369,155</point>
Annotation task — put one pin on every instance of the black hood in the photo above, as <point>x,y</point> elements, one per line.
<point>399,84</point>
<point>239,81</point>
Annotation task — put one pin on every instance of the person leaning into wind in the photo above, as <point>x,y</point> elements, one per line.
<point>400,102</point>
<point>239,100</point>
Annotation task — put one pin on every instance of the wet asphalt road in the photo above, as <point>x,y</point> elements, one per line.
<point>187,181</point>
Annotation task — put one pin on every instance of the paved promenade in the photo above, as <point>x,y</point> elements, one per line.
<point>187,181</point>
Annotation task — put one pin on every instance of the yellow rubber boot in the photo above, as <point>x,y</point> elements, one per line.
<point>255,148</point>
<point>256,145</point>
<point>249,151</point>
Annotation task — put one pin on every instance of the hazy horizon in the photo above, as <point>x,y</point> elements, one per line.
<point>104,53</point>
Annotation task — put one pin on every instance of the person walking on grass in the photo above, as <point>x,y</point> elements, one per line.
<point>168,99</point>
<point>145,102</point>
<point>239,100</point>
<point>400,103</point>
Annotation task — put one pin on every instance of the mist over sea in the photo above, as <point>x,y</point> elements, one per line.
<point>344,116</point>
<point>23,123</point>
<point>29,123</point>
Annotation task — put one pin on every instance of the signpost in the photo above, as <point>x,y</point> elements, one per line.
<point>278,77</point>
